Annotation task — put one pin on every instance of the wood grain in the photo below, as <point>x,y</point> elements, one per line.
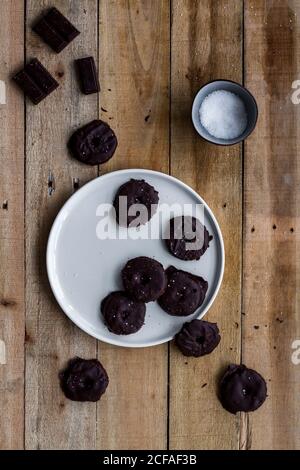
<point>12,316</point>
<point>51,339</point>
<point>206,45</point>
<point>134,75</point>
<point>153,57</point>
<point>271,239</point>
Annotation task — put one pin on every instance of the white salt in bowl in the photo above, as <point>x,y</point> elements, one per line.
<point>233,87</point>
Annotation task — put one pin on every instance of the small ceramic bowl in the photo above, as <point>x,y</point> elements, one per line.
<point>242,92</point>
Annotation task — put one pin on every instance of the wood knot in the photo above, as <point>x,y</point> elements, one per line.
<point>7,303</point>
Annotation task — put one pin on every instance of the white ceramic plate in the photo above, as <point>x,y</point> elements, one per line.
<point>83,269</point>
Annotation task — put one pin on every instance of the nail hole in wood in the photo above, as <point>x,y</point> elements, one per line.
<point>27,337</point>
<point>75,184</point>
<point>274,227</point>
<point>291,230</point>
<point>5,205</point>
<point>51,184</point>
<point>224,205</point>
<point>253,229</point>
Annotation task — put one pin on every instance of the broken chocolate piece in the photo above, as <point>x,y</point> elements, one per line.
<point>56,30</point>
<point>35,81</point>
<point>87,74</point>
<point>94,143</point>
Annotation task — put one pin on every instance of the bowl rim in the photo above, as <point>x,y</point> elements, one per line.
<point>255,106</point>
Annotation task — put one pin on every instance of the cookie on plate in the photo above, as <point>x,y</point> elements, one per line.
<point>185,292</point>
<point>144,279</point>
<point>122,314</point>
<point>198,338</point>
<point>135,203</point>
<point>188,239</point>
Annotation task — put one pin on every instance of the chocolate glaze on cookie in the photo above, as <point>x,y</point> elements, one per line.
<point>242,389</point>
<point>185,292</point>
<point>189,239</point>
<point>122,314</point>
<point>137,192</point>
<point>93,144</point>
<point>198,338</point>
<point>144,279</point>
<point>83,379</point>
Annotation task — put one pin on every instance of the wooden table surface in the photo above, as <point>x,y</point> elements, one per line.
<point>153,55</point>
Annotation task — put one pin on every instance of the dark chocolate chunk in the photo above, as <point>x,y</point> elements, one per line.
<point>50,35</point>
<point>87,74</point>
<point>189,239</point>
<point>198,338</point>
<point>94,143</point>
<point>56,30</point>
<point>35,81</point>
<point>242,389</point>
<point>122,314</point>
<point>136,194</point>
<point>83,379</point>
<point>185,292</point>
<point>144,279</point>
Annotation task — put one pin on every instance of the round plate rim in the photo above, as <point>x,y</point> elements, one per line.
<point>81,192</point>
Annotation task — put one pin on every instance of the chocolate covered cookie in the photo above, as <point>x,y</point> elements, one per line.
<point>144,279</point>
<point>122,314</point>
<point>198,338</point>
<point>242,389</point>
<point>93,144</point>
<point>135,203</point>
<point>83,379</point>
<point>184,293</point>
<point>189,239</point>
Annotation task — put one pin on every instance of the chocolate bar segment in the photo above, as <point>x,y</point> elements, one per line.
<point>50,36</point>
<point>56,30</point>
<point>87,74</point>
<point>35,81</point>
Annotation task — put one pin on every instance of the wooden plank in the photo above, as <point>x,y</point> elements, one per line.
<point>12,317</point>
<point>206,45</point>
<point>134,75</point>
<point>271,248</point>
<point>51,420</point>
